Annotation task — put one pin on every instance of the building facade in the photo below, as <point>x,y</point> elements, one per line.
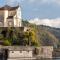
<point>10,16</point>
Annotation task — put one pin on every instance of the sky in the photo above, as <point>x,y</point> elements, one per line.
<point>48,22</point>
<point>36,8</point>
<point>41,9</point>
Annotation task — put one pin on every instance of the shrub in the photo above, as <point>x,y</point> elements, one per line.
<point>7,43</point>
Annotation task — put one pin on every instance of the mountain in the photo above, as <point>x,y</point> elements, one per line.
<point>54,31</point>
<point>46,35</point>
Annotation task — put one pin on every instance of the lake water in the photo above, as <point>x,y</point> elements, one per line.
<point>47,59</point>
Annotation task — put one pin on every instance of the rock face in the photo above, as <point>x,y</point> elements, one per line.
<point>10,16</point>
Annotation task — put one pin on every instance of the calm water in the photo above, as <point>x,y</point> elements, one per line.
<point>47,59</point>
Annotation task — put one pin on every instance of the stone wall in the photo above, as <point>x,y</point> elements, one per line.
<point>20,54</point>
<point>45,51</point>
<point>16,52</point>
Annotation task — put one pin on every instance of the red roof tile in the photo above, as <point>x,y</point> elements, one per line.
<point>6,7</point>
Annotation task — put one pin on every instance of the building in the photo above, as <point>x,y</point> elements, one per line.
<point>10,16</point>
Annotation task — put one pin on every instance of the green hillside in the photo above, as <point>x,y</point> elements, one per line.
<point>47,36</point>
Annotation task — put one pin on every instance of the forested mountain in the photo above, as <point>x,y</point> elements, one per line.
<point>46,35</point>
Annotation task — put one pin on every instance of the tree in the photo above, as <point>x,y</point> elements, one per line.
<point>30,38</point>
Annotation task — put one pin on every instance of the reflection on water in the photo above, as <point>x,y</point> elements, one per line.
<point>47,59</point>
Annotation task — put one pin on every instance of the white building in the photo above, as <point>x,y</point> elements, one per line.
<point>10,16</point>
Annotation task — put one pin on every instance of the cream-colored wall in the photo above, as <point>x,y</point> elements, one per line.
<point>17,18</point>
<point>15,21</point>
<point>18,12</point>
<point>1,12</point>
<point>5,18</point>
<point>20,54</point>
<point>18,15</point>
<point>20,22</point>
<point>1,18</point>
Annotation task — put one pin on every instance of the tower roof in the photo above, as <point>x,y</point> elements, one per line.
<point>7,7</point>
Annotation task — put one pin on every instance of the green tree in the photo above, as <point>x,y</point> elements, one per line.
<point>30,38</point>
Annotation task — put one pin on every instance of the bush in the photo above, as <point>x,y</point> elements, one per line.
<point>7,43</point>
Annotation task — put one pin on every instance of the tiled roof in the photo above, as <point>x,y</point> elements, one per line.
<point>8,7</point>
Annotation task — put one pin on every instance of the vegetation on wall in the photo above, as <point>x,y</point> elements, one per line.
<point>16,36</point>
<point>36,35</point>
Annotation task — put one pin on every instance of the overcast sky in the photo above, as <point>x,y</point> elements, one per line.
<point>37,8</point>
<point>42,9</point>
<point>47,22</point>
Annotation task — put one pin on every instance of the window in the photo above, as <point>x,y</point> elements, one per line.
<point>28,51</point>
<point>9,23</point>
<point>12,51</point>
<point>20,51</point>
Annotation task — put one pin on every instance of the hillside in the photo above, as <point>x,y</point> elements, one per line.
<point>55,31</point>
<point>46,35</point>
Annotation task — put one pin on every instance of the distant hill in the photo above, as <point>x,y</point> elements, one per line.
<point>46,35</point>
<point>54,31</point>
